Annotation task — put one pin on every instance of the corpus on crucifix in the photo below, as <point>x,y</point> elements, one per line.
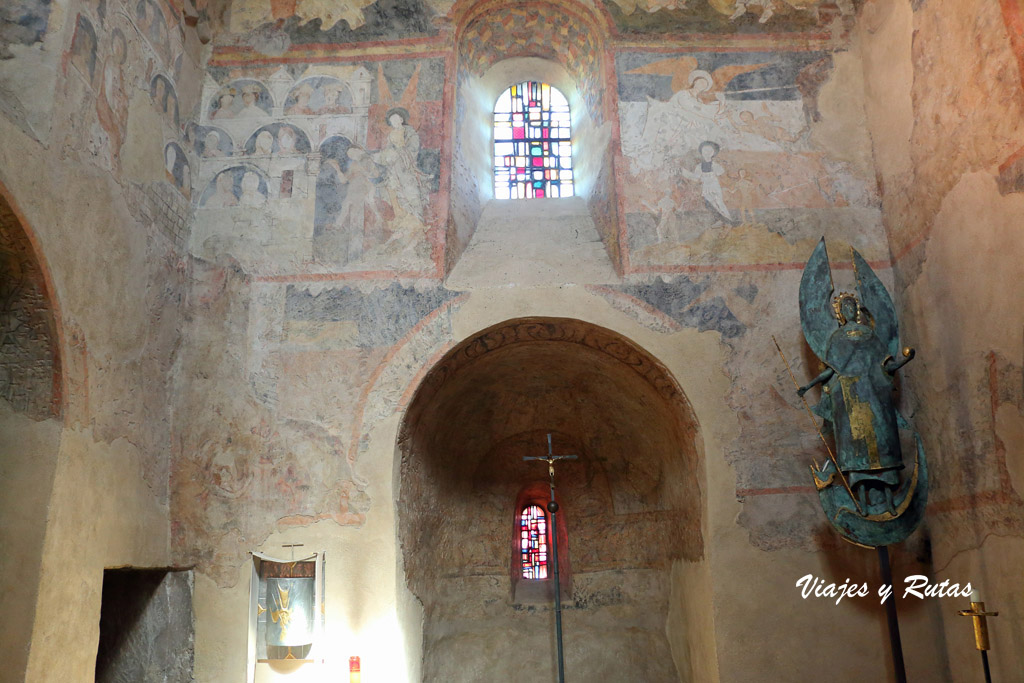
<point>550,458</point>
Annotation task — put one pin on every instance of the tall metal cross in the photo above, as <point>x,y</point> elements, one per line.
<point>550,458</point>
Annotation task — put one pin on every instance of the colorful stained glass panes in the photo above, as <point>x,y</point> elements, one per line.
<point>532,143</point>
<point>533,542</point>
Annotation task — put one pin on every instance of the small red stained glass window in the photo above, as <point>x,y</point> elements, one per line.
<point>533,542</point>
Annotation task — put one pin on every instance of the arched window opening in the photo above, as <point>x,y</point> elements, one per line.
<point>533,542</point>
<point>532,143</point>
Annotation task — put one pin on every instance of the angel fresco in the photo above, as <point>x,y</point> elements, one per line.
<point>865,489</point>
<point>404,181</point>
<point>696,106</point>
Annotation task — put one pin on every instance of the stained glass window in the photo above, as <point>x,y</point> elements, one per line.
<point>532,143</point>
<point>533,542</point>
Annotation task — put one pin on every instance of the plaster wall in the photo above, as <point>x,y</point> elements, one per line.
<point>236,368</point>
<point>298,365</point>
<point>944,106</point>
<point>83,166</point>
<point>26,475</point>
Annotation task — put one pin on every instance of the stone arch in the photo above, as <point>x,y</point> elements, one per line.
<point>634,501</point>
<point>33,403</point>
<point>31,375</point>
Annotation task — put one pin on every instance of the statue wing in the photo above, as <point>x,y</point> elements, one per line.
<point>816,316</point>
<point>875,298</point>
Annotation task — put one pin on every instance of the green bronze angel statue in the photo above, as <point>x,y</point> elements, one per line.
<point>868,492</point>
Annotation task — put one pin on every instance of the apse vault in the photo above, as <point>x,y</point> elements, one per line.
<point>631,504</point>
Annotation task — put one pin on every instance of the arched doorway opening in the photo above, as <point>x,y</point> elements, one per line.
<point>632,505</point>
<point>30,409</point>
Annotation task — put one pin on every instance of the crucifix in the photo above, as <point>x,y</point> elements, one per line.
<point>553,508</point>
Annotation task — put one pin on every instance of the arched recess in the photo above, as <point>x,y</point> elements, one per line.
<point>633,501</point>
<point>561,43</point>
<point>31,405</point>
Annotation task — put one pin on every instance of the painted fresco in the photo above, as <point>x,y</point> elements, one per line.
<point>336,21</point>
<point>22,22</point>
<point>277,138</point>
<point>177,169</point>
<point>116,49</point>
<point>242,99</point>
<point>350,159</point>
<point>725,16</point>
<point>543,31</point>
<point>283,448</point>
<point>150,21</point>
<point>161,90</point>
<point>83,48</point>
<point>238,186</point>
<point>209,141</point>
<point>722,163</point>
<point>112,98</point>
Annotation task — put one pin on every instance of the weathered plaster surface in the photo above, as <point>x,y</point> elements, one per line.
<point>26,473</point>
<point>944,109</point>
<point>247,265</point>
<point>109,244</point>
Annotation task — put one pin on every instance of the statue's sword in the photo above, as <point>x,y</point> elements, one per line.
<point>814,422</point>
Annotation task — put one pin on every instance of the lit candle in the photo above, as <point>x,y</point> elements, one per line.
<point>354,673</point>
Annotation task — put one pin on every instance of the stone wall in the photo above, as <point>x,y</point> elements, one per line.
<point>245,264</point>
<point>945,116</point>
<point>318,306</point>
<point>93,96</point>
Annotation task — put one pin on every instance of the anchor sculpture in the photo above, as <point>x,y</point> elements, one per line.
<point>866,490</point>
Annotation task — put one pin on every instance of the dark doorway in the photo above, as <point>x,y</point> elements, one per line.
<point>147,631</point>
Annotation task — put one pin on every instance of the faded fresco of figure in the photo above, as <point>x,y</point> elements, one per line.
<point>209,142</point>
<point>251,194</point>
<point>278,138</point>
<point>319,95</point>
<point>765,126</point>
<point>150,21</point>
<point>223,194</point>
<point>348,220</point>
<point>176,169</point>
<point>404,181</point>
<point>250,95</point>
<point>83,49</point>
<point>337,100</point>
<point>164,97</point>
<point>360,177</point>
<point>112,102</point>
<point>300,106</point>
<point>224,105</point>
<point>255,101</point>
<point>264,144</point>
<point>286,140</point>
<point>236,186</point>
<point>707,172</point>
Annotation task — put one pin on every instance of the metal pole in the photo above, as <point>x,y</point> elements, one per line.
<point>895,646</point>
<point>553,508</point>
<point>984,661</point>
